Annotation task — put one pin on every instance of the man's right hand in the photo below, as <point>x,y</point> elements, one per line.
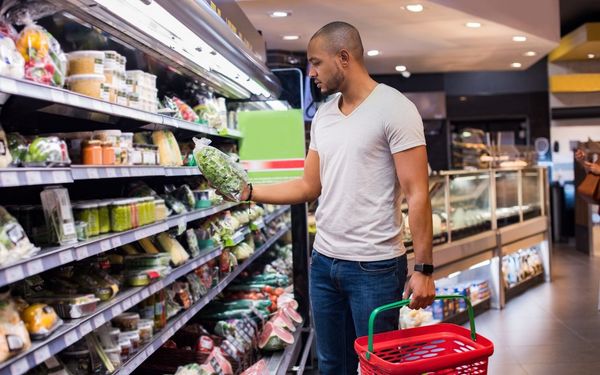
<point>579,155</point>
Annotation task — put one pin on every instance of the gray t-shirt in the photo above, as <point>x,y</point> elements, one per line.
<point>359,216</point>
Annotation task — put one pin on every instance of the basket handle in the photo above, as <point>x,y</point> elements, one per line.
<point>405,302</point>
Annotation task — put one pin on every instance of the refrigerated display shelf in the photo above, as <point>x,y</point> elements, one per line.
<point>56,256</point>
<point>177,322</point>
<point>74,330</point>
<point>68,98</point>
<point>11,177</point>
<point>279,362</point>
<point>267,219</point>
<point>463,316</point>
<point>524,285</point>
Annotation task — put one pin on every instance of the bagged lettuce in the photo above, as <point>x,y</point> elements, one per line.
<point>226,176</point>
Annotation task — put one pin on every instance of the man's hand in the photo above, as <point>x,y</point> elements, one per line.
<point>422,288</point>
<point>579,155</point>
<point>592,168</point>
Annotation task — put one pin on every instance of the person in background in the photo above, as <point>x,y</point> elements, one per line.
<point>367,152</point>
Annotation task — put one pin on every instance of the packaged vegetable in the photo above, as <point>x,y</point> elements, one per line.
<point>17,144</point>
<point>5,155</point>
<point>59,215</point>
<point>14,244</point>
<point>222,173</point>
<point>173,204</point>
<point>173,247</point>
<point>274,338</point>
<point>12,63</point>
<point>168,148</point>
<point>41,320</point>
<point>44,60</point>
<point>259,368</point>
<point>186,196</point>
<point>187,113</point>
<point>14,338</point>
<point>192,242</point>
<point>47,151</point>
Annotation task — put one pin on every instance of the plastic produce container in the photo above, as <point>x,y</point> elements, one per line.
<point>87,84</point>
<point>88,213</point>
<point>86,62</point>
<point>120,215</point>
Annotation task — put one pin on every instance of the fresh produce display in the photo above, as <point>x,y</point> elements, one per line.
<point>14,243</point>
<point>168,149</point>
<point>17,144</point>
<point>12,63</point>
<point>47,151</point>
<point>14,337</point>
<point>44,60</point>
<point>219,169</point>
<point>41,320</point>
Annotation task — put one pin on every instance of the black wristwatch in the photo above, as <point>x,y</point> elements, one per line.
<point>426,269</point>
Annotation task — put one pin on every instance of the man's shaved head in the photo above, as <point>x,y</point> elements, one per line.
<point>341,35</point>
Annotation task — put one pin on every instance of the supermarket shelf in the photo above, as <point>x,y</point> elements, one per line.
<point>76,329</point>
<point>56,256</point>
<point>68,98</point>
<point>522,286</point>
<point>267,219</point>
<point>238,237</point>
<point>176,323</point>
<point>10,177</point>
<point>463,317</point>
<point>279,362</point>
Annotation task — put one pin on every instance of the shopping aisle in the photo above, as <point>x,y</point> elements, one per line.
<point>553,328</point>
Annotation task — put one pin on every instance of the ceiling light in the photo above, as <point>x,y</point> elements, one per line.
<point>400,68</point>
<point>515,65</point>
<point>473,25</point>
<point>406,74</point>
<point>373,52</point>
<point>530,53</point>
<point>519,38</point>
<point>591,56</point>
<point>279,14</point>
<point>291,37</point>
<point>415,8</point>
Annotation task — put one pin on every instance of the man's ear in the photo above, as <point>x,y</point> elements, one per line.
<point>344,57</point>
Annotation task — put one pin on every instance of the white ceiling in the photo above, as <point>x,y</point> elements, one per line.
<point>435,40</point>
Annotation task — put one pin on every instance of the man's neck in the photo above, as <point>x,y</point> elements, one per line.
<point>358,89</point>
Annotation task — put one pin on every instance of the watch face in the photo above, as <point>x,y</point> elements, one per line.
<point>424,268</point>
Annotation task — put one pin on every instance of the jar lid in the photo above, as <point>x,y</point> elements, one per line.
<point>84,205</point>
<point>86,77</point>
<point>92,142</point>
<point>108,53</point>
<point>104,203</point>
<point>159,201</point>
<point>79,54</point>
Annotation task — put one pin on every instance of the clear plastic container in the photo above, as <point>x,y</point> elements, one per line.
<point>150,80</point>
<point>104,215</point>
<point>122,63</point>
<point>87,84</point>
<point>136,155</point>
<point>114,78</point>
<point>146,330</point>
<point>109,94</point>
<point>111,60</point>
<point>82,230</point>
<point>122,98</point>
<point>120,215</point>
<point>88,213</point>
<point>114,355</point>
<point>85,62</point>
<point>59,215</point>
<point>160,209</point>
<point>134,338</point>
<point>135,101</point>
<point>127,322</point>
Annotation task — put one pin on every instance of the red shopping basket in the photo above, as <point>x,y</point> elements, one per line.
<point>437,349</point>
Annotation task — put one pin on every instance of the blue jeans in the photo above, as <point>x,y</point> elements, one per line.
<point>343,294</point>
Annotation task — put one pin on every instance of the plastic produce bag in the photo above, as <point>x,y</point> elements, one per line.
<point>187,113</point>
<point>12,64</point>
<point>45,61</point>
<point>14,337</point>
<point>14,244</point>
<point>5,155</point>
<point>220,170</point>
<point>17,144</point>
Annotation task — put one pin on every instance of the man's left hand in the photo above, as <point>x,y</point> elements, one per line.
<point>422,288</point>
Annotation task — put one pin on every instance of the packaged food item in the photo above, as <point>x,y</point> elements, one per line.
<point>104,215</point>
<point>91,152</point>
<point>136,154</point>
<point>173,247</point>
<point>109,93</point>
<point>87,84</point>
<point>122,98</point>
<point>220,170</point>
<point>113,77</point>
<point>146,330</point>
<point>47,151</point>
<point>111,60</point>
<point>202,199</point>
<point>274,338</point>
<point>108,153</point>
<point>109,336</point>
<point>135,101</point>
<point>88,213</point>
<point>17,144</point>
<point>160,209</point>
<point>133,337</point>
<point>185,195</point>
<point>44,60</point>
<point>114,355</point>
<point>147,260</point>
<point>83,233</point>
<point>41,320</point>
<point>168,149</point>
<point>14,244</point>
<point>149,155</point>
<point>59,215</point>
<point>186,112</point>
<point>12,63</point>
<point>126,141</point>
<point>259,368</point>
<point>5,155</point>
<point>72,307</point>
<point>122,63</point>
<point>14,338</point>
<point>126,348</point>
<point>85,62</point>
<point>120,215</point>
<point>127,321</point>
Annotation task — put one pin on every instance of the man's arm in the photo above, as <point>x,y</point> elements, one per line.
<point>411,168</point>
<point>305,189</point>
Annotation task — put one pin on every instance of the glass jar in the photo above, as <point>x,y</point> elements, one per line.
<point>160,210</point>
<point>120,215</point>
<point>91,152</point>
<point>104,216</point>
<point>108,153</point>
<point>88,213</point>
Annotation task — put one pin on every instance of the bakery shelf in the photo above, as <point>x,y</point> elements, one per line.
<point>56,256</point>
<point>176,323</point>
<point>74,330</point>
<point>32,90</point>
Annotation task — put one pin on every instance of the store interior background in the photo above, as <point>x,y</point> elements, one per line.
<point>484,94</point>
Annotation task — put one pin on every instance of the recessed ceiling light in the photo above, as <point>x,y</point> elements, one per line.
<point>473,25</point>
<point>591,56</point>
<point>406,74</point>
<point>530,53</point>
<point>279,14</point>
<point>515,65</point>
<point>373,52</point>
<point>415,8</point>
<point>291,37</point>
<point>519,38</point>
<point>400,68</point>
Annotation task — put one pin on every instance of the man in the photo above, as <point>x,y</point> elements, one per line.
<point>367,149</point>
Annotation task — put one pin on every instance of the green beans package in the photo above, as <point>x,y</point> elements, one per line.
<point>220,170</point>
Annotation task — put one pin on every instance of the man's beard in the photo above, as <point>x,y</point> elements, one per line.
<point>334,84</point>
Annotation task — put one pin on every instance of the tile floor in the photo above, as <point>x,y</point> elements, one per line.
<point>553,328</point>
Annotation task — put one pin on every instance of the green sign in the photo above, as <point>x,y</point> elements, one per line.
<point>273,147</point>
